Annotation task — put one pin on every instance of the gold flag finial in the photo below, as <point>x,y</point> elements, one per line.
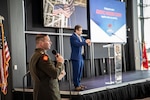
<point>1,18</point>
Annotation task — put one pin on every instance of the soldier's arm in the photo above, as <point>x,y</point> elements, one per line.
<point>46,65</point>
<point>62,74</point>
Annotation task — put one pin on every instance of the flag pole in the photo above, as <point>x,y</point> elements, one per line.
<point>3,44</point>
<point>3,49</point>
<point>1,19</point>
<point>2,34</point>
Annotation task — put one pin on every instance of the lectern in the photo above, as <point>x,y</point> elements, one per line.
<point>117,62</point>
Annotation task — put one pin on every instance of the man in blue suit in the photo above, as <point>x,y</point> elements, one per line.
<point>77,51</point>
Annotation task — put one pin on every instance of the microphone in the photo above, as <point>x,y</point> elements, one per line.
<point>54,52</point>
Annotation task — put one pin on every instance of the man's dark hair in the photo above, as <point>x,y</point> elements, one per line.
<point>40,37</point>
<point>77,27</point>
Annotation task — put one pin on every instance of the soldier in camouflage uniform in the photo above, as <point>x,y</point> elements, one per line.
<point>43,72</point>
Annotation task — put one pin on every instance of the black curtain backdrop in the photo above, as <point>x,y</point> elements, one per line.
<point>129,92</point>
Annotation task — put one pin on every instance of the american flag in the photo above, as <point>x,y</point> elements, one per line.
<point>4,61</point>
<point>65,9</point>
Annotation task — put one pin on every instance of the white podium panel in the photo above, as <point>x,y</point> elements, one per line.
<point>118,63</point>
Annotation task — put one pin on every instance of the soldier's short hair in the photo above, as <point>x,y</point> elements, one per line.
<point>77,27</point>
<point>40,37</point>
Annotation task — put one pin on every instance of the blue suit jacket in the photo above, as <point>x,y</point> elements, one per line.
<point>76,47</point>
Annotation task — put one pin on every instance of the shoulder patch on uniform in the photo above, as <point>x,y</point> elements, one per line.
<point>45,58</point>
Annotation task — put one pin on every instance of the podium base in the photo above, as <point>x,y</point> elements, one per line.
<point>111,82</point>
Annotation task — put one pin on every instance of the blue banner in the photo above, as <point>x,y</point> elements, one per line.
<point>107,17</point>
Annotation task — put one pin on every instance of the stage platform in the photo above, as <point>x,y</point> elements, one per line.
<point>135,85</point>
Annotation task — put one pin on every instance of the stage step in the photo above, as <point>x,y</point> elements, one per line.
<point>65,99</point>
<point>148,98</point>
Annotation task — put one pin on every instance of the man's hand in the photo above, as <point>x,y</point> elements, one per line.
<point>62,74</point>
<point>88,41</point>
<point>59,58</point>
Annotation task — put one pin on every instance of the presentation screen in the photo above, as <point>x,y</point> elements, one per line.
<point>107,21</point>
<point>65,13</point>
